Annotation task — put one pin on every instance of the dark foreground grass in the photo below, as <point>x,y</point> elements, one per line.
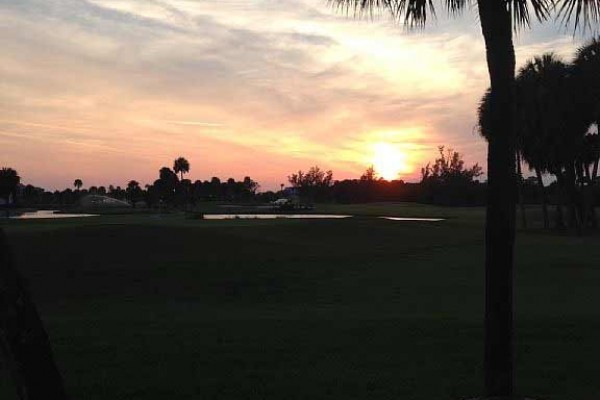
<point>143,307</point>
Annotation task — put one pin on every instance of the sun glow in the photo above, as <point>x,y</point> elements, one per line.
<point>388,161</point>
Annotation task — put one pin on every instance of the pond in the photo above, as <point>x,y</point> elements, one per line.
<point>48,214</point>
<point>414,219</point>
<point>275,216</point>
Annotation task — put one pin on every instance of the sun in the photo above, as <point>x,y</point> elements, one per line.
<point>388,161</point>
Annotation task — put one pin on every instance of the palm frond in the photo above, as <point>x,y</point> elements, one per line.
<point>521,14</point>
<point>415,13</point>
<point>579,12</point>
<point>412,13</point>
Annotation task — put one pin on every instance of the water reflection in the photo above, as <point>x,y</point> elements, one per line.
<point>414,219</point>
<point>275,216</point>
<point>48,214</point>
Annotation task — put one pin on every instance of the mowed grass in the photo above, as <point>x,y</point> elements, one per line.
<point>160,307</point>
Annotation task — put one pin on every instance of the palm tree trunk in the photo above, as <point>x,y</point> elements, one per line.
<point>496,25</point>
<point>560,220</point>
<point>544,198</point>
<point>23,337</point>
<point>573,197</point>
<point>520,191</point>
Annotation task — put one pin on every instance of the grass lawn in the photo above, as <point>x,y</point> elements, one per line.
<point>160,307</point>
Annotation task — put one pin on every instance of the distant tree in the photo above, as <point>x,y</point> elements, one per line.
<point>32,195</point>
<point>369,175</point>
<point>78,183</point>
<point>181,166</point>
<point>314,184</point>
<point>166,184</point>
<point>314,177</point>
<point>101,190</point>
<point>214,189</point>
<point>250,186</point>
<point>133,192</point>
<point>9,180</point>
<point>449,167</point>
<point>447,181</point>
<point>132,185</point>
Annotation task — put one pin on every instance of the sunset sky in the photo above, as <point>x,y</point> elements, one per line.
<point>112,90</point>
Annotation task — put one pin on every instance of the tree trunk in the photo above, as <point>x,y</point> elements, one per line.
<point>24,340</point>
<point>520,191</point>
<point>572,193</point>
<point>496,25</point>
<point>544,198</point>
<point>560,220</point>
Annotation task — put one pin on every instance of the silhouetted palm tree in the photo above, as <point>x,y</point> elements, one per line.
<point>77,184</point>
<point>543,113</point>
<point>484,122</point>
<point>586,69</point>
<point>498,19</point>
<point>181,166</point>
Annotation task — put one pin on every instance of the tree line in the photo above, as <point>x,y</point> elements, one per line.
<point>446,181</point>
<point>170,189</point>
<point>556,121</point>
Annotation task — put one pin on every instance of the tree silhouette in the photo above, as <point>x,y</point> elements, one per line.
<point>9,180</point>
<point>166,184</point>
<point>133,191</point>
<point>554,113</point>
<point>586,67</point>
<point>78,183</point>
<point>498,19</point>
<point>535,88</point>
<point>313,184</point>
<point>181,166</point>
<point>369,175</point>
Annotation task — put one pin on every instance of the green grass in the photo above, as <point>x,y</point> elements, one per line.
<point>147,307</point>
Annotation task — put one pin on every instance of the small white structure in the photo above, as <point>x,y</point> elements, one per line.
<point>96,201</point>
<point>281,202</point>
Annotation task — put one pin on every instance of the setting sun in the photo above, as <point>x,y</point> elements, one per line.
<point>388,161</point>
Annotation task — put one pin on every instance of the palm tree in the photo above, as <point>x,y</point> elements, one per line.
<point>77,184</point>
<point>586,67</point>
<point>484,122</point>
<point>181,166</point>
<point>498,19</point>
<point>544,120</point>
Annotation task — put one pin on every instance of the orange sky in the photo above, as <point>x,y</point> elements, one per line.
<point>112,90</point>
